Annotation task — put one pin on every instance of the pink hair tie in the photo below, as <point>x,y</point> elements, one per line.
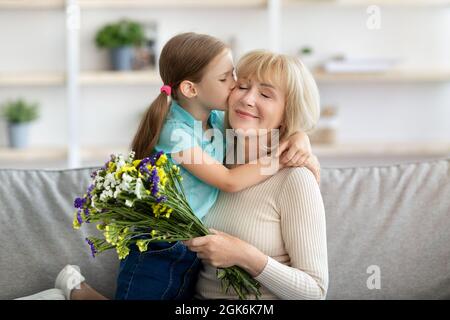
<point>166,89</point>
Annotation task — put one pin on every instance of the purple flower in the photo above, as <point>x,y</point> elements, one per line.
<point>154,180</point>
<point>79,202</point>
<point>142,167</point>
<point>161,199</point>
<point>89,190</point>
<point>143,163</point>
<point>94,174</point>
<point>93,249</point>
<point>79,218</point>
<point>86,213</point>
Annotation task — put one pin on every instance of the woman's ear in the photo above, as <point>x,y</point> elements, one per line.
<point>188,89</point>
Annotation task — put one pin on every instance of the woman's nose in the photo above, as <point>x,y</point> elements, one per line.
<point>249,98</point>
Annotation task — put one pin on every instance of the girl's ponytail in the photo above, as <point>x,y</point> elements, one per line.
<point>150,127</point>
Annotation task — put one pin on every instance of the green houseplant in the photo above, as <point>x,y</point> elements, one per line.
<point>18,114</point>
<point>120,38</point>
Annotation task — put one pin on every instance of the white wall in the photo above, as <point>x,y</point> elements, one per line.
<point>35,41</point>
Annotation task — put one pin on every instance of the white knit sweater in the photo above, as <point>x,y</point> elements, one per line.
<point>284,217</point>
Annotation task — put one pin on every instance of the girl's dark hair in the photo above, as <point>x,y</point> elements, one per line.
<point>184,57</point>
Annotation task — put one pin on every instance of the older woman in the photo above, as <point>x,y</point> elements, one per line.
<point>275,230</point>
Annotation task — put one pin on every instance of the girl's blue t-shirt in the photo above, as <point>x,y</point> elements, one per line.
<point>181,131</point>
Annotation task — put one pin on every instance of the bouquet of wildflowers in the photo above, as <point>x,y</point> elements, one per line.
<point>142,201</point>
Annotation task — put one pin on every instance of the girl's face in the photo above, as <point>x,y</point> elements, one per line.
<point>218,81</point>
<point>255,105</point>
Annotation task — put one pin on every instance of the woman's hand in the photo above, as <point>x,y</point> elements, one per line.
<point>222,250</point>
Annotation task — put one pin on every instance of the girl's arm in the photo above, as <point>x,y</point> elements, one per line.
<point>214,173</point>
<point>298,153</point>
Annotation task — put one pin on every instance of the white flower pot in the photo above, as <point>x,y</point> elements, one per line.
<point>18,134</point>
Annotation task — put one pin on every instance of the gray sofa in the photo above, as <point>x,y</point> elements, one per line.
<point>388,231</point>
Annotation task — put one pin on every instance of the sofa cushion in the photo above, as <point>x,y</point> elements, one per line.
<point>37,238</point>
<point>392,219</point>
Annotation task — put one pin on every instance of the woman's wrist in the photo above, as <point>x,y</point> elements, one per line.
<point>252,260</point>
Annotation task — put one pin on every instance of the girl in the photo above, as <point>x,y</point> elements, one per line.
<point>198,74</point>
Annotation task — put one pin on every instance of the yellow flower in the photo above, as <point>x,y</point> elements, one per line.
<point>169,211</point>
<point>111,235</point>
<point>162,176</point>
<point>162,160</point>
<point>125,168</point>
<point>154,233</point>
<point>122,251</point>
<point>75,224</point>
<point>142,245</point>
<point>136,163</point>
<point>101,227</point>
<point>111,167</point>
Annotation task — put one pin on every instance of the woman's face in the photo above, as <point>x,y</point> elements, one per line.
<point>254,105</point>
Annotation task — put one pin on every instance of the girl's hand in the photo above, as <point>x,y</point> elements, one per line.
<point>298,150</point>
<point>222,250</point>
<point>298,153</point>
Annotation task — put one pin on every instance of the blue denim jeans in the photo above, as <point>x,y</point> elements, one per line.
<point>166,271</point>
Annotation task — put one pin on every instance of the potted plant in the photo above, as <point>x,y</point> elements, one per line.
<point>18,115</point>
<point>309,57</point>
<point>121,38</point>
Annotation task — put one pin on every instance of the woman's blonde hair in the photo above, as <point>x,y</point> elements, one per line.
<point>302,110</point>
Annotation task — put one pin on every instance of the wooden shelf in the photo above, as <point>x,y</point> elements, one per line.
<point>137,4</point>
<point>52,154</point>
<point>33,154</point>
<point>389,76</point>
<point>131,4</point>
<point>86,78</point>
<point>366,3</point>
<point>32,4</point>
<point>149,77</point>
<point>32,79</point>
<point>101,154</point>
<point>382,149</point>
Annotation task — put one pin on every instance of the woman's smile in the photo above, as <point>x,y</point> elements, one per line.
<point>245,115</point>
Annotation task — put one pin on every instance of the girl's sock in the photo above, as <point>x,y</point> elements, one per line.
<point>68,279</point>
